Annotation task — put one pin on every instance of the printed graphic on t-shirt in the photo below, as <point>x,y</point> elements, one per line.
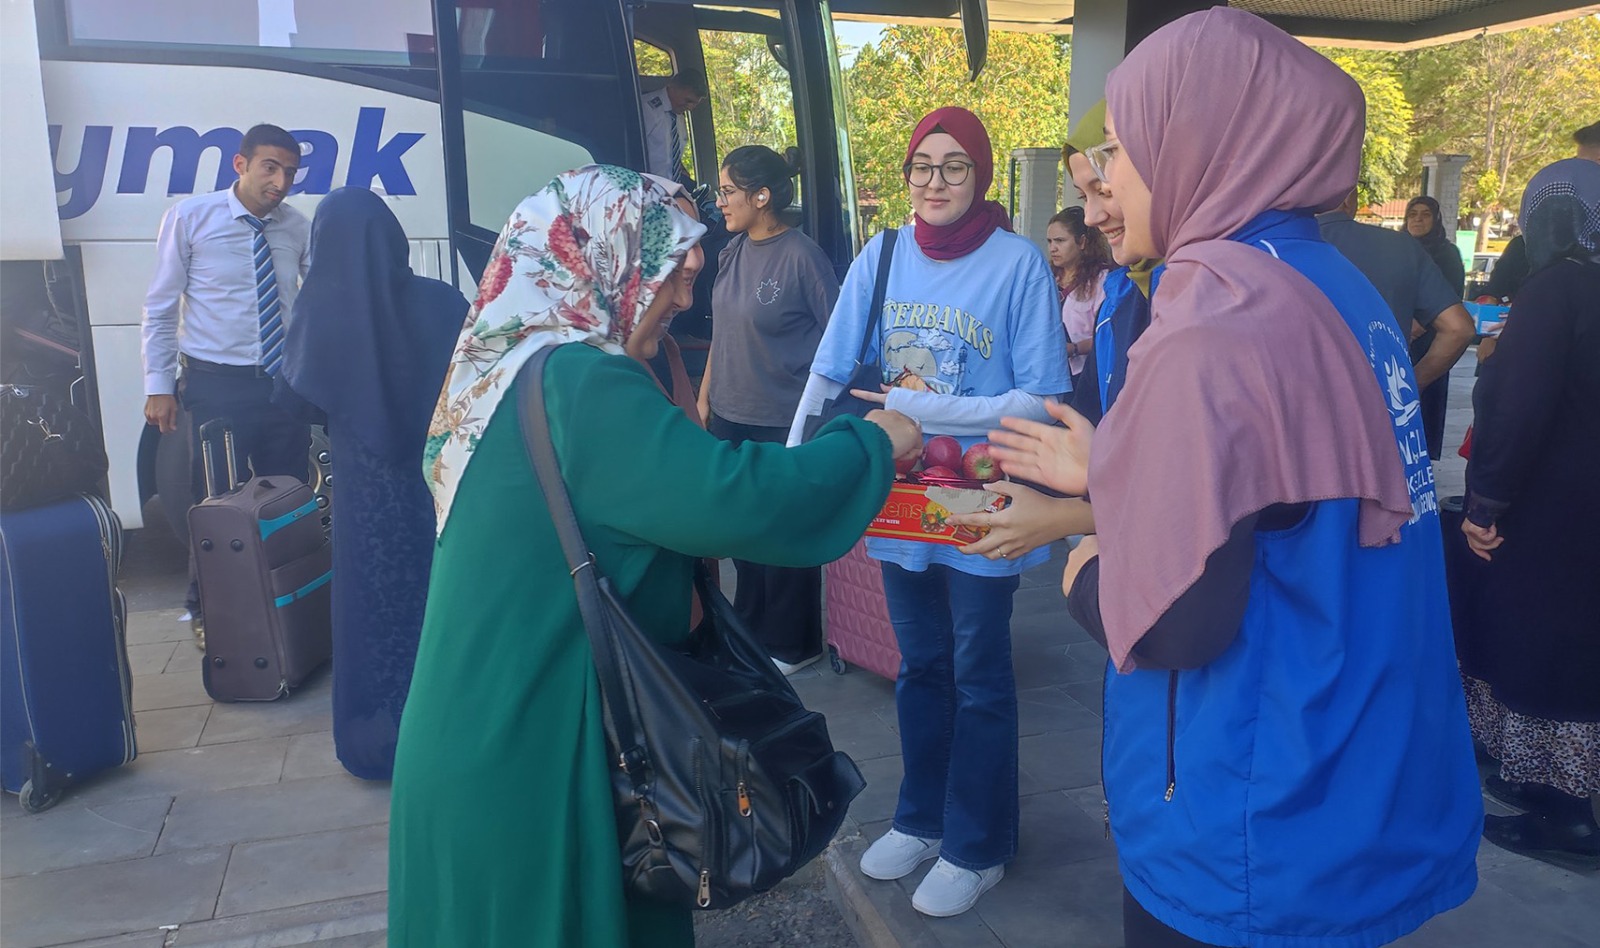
<point>926,346</point>
<point>767,292</point>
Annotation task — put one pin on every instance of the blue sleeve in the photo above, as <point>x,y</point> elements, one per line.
<point>1038,340</point>
<point>841,340</point>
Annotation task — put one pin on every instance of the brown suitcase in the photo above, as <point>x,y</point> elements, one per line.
<point>265,572</point>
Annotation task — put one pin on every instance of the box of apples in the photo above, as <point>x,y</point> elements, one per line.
<point>944,482</point>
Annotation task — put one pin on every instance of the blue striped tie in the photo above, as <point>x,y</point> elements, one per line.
<point>268,308</point>
<point>677,145</point>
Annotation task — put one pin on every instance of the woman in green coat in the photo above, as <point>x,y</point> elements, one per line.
<point>502,829</point>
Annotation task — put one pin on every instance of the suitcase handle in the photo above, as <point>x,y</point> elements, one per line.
<point>228,451</point>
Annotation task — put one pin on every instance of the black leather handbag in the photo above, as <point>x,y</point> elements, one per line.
<point>49,450</point>
<point>867,375</point>
<point>724,783</point>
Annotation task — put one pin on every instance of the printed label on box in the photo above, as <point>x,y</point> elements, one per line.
<point>922,511</point>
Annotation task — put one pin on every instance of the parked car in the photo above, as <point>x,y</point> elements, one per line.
<point>1478,276</point>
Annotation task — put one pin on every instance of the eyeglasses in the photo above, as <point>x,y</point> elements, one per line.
<point>919,174</point>
<point>726,193</point>
<point>1100,157</point>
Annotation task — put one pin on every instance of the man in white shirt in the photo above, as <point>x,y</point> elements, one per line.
<point>665,133</point>
<point>228,267</point>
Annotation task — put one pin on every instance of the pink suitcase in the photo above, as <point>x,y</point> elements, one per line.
<point>859,631</point>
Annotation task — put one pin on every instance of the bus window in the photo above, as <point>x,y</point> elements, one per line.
<point>350,31</point>
<point>752,101</point>
<point>653,60</point>
<point>520,35</point>
<point>541,86</point>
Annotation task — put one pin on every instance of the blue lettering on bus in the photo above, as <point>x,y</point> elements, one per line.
<point>371,159</point>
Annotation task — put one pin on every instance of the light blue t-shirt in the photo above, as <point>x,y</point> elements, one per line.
<point>981,325</point>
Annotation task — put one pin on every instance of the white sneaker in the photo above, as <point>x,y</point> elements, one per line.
<point>895,854</point>
<point>950,890</point>
<point>789,669</point>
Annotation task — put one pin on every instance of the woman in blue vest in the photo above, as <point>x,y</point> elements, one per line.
<point>1287,760</point>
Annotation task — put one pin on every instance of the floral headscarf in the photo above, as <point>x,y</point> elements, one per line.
<point>580,261</point>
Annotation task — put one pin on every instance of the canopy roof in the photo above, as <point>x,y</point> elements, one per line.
<point>1392,24</point>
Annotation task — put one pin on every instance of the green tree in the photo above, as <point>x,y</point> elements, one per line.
<point>1387,146</point>
<point>1021,97</point>
<point>751,100</point>
<point>1509,100</point>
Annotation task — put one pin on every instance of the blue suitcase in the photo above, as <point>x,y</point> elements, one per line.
<point>66,693</point>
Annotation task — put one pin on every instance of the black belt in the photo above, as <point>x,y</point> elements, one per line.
<point>191,364</point>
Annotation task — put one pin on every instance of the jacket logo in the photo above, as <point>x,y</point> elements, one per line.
<point>1402,407</point>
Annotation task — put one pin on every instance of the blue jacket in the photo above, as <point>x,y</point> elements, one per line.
<point>1123,317</point>
<point>1314,785</point>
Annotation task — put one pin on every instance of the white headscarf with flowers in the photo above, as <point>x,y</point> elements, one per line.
<point>580,261</point>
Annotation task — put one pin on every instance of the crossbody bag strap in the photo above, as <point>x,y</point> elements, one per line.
<point>880,290</point>
<point>615,695</point>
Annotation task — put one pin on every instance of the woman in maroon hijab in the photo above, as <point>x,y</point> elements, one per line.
<point>1286,755</point>
<point>970,330</point>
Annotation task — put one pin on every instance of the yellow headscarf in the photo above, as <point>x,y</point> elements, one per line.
<point>1089,132</point>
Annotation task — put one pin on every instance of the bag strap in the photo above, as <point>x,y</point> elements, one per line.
<point>615,696</point>
<point>880,290</point>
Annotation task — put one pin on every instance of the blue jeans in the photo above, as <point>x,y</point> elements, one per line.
<point>957,703</point>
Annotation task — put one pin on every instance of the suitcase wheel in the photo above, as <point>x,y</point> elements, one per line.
<point>36,801</point>
<point>835,662</point>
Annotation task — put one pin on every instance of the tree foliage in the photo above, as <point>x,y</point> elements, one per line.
<point>1387,146</point>
<point>751,102</point>
<point>1021,97</point>
<point>1511,101</point>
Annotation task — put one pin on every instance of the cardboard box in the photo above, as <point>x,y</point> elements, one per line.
<point>917,512</point>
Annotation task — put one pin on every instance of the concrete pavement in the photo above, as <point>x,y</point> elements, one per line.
<point>237,827</point>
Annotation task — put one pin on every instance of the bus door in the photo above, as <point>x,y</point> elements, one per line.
<point>527,89</point>
<point>773,74</point>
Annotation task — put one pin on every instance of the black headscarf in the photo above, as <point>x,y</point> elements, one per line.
<point>1436,236</point>
<point>370,341</point>
<point>1561,213</point>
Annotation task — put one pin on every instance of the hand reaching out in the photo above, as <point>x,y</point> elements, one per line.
<point>1030,521</point>
<point>904,432</point>
<point>1057,457</point>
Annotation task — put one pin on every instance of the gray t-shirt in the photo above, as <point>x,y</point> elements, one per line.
<point>770,303</point>
<point>1398,266</point>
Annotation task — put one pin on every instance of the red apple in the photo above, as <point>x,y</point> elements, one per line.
<point>939,473</point>
<point>904,466</point>
<point>980,465</point>
<point>942,451</point>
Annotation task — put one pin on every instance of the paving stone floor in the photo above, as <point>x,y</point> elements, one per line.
<point>1063,888</point>
<point>237,827</point>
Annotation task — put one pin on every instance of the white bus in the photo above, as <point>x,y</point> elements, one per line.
<point>453,109</point>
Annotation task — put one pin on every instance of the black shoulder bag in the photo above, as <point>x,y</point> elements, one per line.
<point>49,449</point>
<point>868,375</point>
<point>724,783</point>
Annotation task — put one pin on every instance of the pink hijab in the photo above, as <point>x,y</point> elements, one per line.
<point>1248,380</point>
